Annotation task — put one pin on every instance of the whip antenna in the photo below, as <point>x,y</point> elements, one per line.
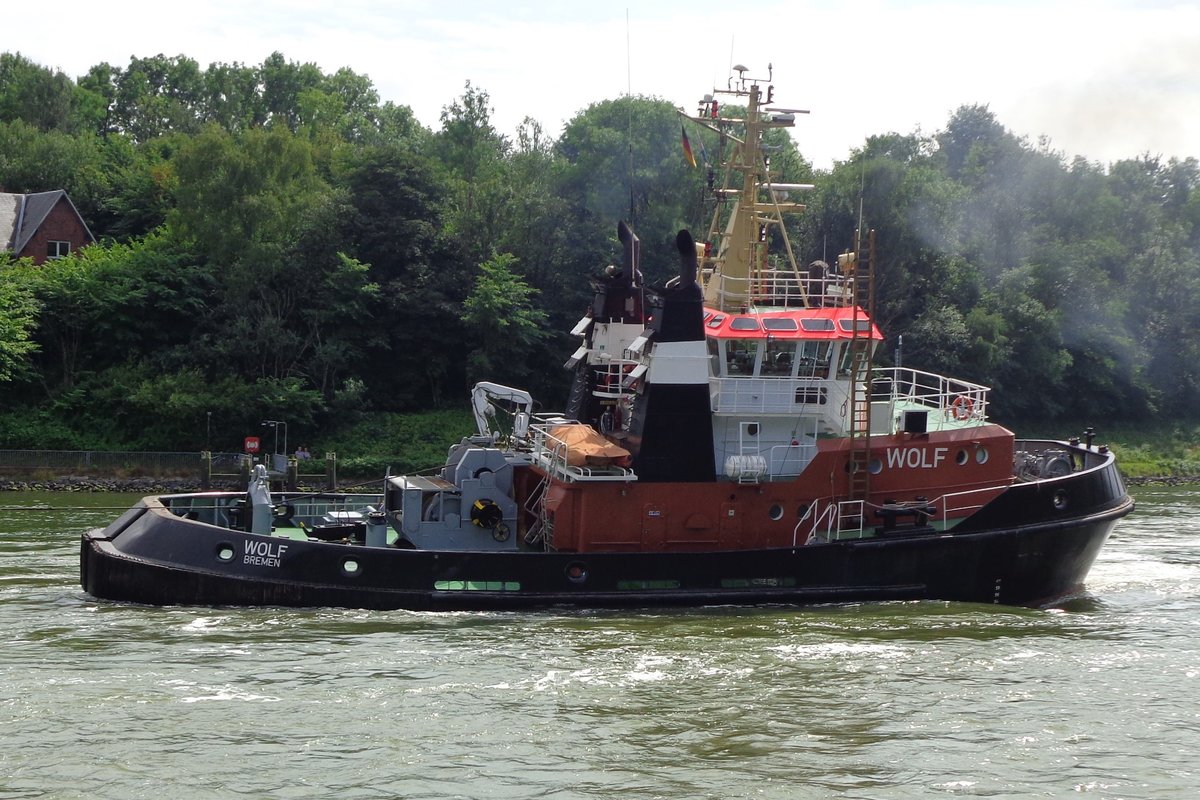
<point>629,103</point>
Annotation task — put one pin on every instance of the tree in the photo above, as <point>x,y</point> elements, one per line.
<point>536,224</point>
<point>623,161</point>
<point>34,94</point>
<point>283,82</point>
<point>243,197</point>
<point>95,94</point>
<point>158,95</point>
<point>391,219</point>
<point>502,322</point>
<point>18,316</point>
<point>473,154</point>
<point>74,300</point>
<point>231,97</point>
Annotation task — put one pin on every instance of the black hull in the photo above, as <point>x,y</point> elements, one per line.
<point>166,560</point>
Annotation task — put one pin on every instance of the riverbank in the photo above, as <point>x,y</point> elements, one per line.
<point>149,486</point>
<point>146,486</point>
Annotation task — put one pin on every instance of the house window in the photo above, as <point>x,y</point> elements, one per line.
<point>56,249</point>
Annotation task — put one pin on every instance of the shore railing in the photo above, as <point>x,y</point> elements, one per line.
<point>205,465</point>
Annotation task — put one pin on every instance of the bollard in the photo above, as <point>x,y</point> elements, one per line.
<point>260,501</point>
<point>377,529</point>
<point>206,470</point>
<point>331,472</point>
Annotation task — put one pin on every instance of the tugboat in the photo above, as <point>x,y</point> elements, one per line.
<point>725,441</point>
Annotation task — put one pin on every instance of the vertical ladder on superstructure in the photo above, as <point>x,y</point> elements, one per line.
<point>862,300</point>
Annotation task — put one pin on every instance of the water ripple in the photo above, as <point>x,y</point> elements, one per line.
<point>891,700</point>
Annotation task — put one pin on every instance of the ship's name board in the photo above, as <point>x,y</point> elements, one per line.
<point>264,554</point>
<point>916,457</point>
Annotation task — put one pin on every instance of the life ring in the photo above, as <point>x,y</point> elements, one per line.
<point>963,407</point>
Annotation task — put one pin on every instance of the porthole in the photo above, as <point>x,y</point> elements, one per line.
<point>874,466</point>
<point>225,552</point>
<point>981,455</point>
<point>775,512</point>
<point>1060,500</point>
<point>351,566</point>
<point>576,572</point>
<point>962,458</point>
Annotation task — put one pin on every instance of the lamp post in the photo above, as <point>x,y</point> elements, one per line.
<point>277,424</point>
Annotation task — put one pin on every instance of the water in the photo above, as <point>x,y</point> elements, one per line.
<point>899,700</point>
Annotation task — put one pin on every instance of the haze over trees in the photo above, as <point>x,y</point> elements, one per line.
<point>276,242</point>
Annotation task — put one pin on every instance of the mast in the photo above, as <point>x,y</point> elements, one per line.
<point>735,268</point>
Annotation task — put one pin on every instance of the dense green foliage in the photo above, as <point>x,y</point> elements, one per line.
<point>277,243</point>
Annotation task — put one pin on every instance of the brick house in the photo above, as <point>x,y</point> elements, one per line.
<point>41,226</point>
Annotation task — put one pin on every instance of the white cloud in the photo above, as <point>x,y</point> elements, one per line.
<point>1107,79</point>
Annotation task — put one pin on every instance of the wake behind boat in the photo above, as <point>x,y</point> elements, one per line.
<point>725,440</point>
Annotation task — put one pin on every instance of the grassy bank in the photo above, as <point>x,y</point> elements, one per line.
<point>1169,452</point>
<point>403,443</point>
<point>414,442</point>
<point>1166,453</point>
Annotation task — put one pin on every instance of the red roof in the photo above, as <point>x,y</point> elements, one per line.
<point>800,323</point>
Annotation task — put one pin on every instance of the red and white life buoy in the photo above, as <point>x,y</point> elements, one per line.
<point>963,407</point>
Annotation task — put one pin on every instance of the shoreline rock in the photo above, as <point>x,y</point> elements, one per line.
<point>143,486</point>
<point>1163,480</point>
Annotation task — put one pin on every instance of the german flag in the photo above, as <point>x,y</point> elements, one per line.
<point>687,147</point>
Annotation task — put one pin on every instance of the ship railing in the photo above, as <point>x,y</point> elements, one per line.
<point>851,517</point>
<point>953,399</point>
<point>220,508</point>
<point>824,524</point>
<point>812,531</point>
<point>784,288</point>
<point>841,520</point>
<point>554,456</point>
<point>610,375</point>
<point>965,503</point>
<point>766,395</point>
<point>789,460</point>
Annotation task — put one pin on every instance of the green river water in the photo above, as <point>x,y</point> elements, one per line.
<point>1098,699</point>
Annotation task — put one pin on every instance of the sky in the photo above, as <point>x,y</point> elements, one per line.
<point>1102,79</point>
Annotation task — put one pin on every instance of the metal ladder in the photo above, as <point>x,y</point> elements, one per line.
<point>542,530</point>
<point>863,297</point>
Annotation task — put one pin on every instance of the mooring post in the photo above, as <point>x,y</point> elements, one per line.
<point>205,470</point>
<point>331,472</point>
<point>247,462</point>
<point>293,474</point>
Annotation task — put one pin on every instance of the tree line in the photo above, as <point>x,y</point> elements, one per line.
<point>275,242</point>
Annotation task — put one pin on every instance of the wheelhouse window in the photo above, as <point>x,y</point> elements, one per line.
<point>779,357</point>
<point>846,357</point>
<point>741,355</point>
<point>57,249</point>
<point>813,361</point>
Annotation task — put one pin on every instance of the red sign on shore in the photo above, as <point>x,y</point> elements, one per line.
<point>251,444</point>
